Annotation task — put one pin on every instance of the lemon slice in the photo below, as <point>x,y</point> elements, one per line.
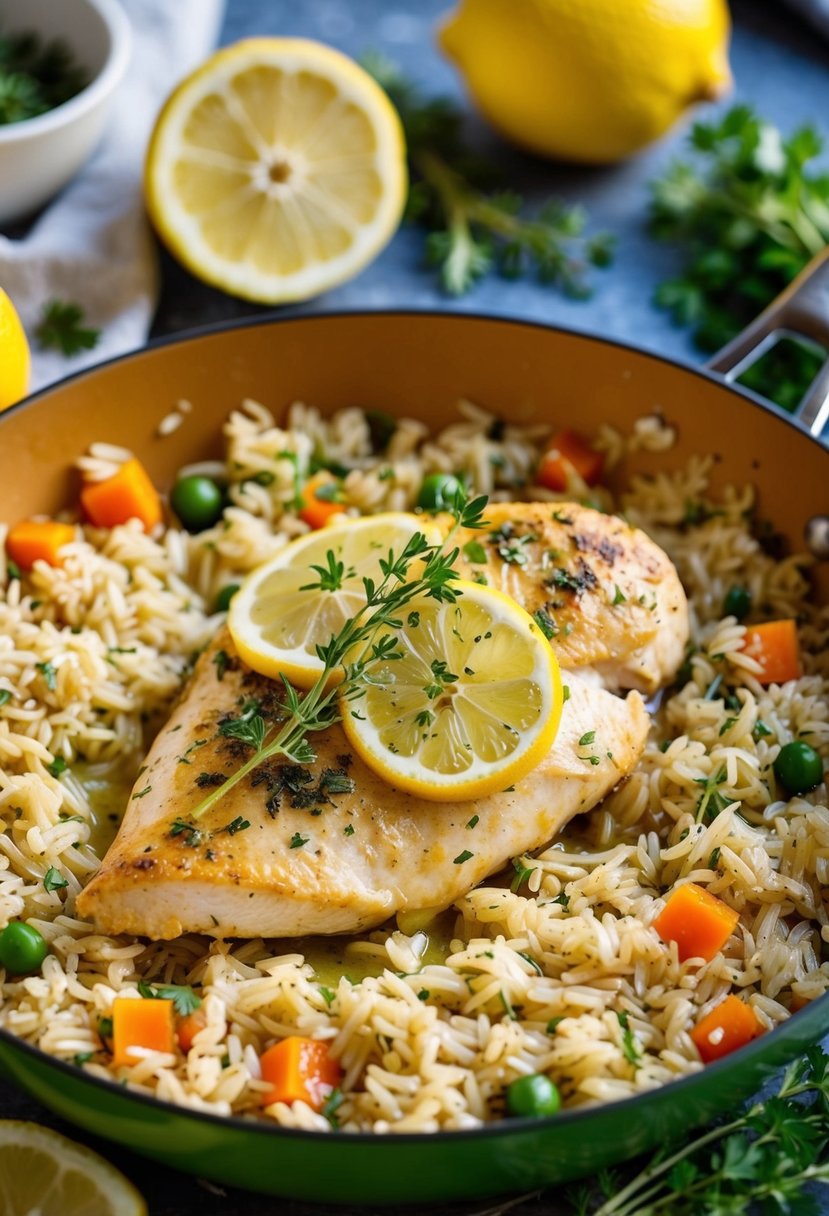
<point>277,623</point>
<point>276,170</point>
<point>471,703</point>
<point>43,1172</point>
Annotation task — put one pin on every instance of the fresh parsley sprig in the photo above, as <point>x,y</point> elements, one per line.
<point>748,210</point>
<point>471,229</point>
<point>61,328</point>
<point>361,642</point>
<point>763,1160</point>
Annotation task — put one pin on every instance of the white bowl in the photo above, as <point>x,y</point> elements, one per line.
<point>39,155</point>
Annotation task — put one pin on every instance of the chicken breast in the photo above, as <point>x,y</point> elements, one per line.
<point>330,848</point>
<point>608,597</point>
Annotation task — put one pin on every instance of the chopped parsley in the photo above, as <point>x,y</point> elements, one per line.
<point>141,793</point>
<point>184,999</point>
<point>50,675</point>
<point>348,830</point>
<point>474,551</point>
<point>189,832</point>
<point>630,1045</point>
<point>462,857</point>
<point>618,596</point>
<point>236,825</point>
<point>473,822</point>
<point>5,696</point>
<point>545,623</point>
<point>53,880</point>
<point>57,766</point>
<point>221,661</point>
<point>297,841</point>
<point>522,873</point>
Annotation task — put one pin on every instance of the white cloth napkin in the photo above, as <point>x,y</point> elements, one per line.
<point>92,245</point>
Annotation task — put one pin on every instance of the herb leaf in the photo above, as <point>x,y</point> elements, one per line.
<point>471,229</point>
<point>61,328</point>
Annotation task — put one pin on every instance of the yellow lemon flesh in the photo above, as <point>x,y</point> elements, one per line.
<point>589,80</point>
<point>470,704</point>
<point>15,362</point>
<point>277,170</point>
<point>279,617</point>
<point>43,1172</point>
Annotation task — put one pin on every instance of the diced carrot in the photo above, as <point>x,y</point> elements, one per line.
<point>38,540</point>
<point>299,1070</point>
<point>146,1023</point>
<point>188,1027</point>
<point>127,494</point>
<point>774,645</point>
<point>697,921</point>
<point>316,510</point>
<point>568,452</point>
<point>730,1025</point>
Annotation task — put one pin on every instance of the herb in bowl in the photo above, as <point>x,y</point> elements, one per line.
<point>35,76</point>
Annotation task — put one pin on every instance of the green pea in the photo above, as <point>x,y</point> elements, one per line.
<point>437,493</point>
<point>798,766</point>
<point>737,602</point>
<point>225,596</point>
<point>22,948</point>
<point>535,1095</point>
<point>198,502</point>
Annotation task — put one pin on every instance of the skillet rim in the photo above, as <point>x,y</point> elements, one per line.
<point>719,1068</point>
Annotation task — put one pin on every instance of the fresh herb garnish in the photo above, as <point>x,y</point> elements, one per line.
<point>49,673</point>
<point>320,706</point>
<point>298,841</point>
<point>5,696</point>
<point>462,857</point>
<point>470,231</point>
<point>190,833</point>
<point>522,873</point>
<point>711,800</point>
<point>57,766</point>
<point>35,77</point>
<point>332,1104</point>
<point>53,880</point>
<point>183,997</point>
<point>749,210</point>
<point>545,623</point>
<point>630,1044</point>
<point>61,328</point>
<point>474,551</point>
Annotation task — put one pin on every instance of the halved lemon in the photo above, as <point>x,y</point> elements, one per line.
<point>470,704</point>
<point>276,170</point>
<point>276,622</point>
<point>15,361</point>
<point>43,1172</point>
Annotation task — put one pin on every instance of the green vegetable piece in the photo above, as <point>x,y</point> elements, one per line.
<point>737,602</point>
<point>438,492</point>
<point>198,502</point>
<point>534,1096</point>
<point>225,596</point>
<point>798,767</point>
<point>22,948</point>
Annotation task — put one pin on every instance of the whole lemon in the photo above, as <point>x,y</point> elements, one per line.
<point>14,355</point>
<point>588,80</point>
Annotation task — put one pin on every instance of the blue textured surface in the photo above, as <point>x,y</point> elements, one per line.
<point>780,66</point>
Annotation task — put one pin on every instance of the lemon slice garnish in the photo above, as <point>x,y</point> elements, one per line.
<point>469,706</point>
<point>277,170</point>
<point>42,1171</point>
<point>277,623</point>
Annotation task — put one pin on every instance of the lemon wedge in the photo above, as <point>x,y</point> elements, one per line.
<point>278,618</point>
<point>277,170</point>
<point>41,1171</point>
<point>471,703</point>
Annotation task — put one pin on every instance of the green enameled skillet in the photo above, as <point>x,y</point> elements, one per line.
<point>420,364</point>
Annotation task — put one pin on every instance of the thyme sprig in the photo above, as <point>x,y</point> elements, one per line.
<point>360,642</point>
<point>762,1160</point>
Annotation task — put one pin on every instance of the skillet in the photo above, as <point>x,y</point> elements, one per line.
<point>420,364</point>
